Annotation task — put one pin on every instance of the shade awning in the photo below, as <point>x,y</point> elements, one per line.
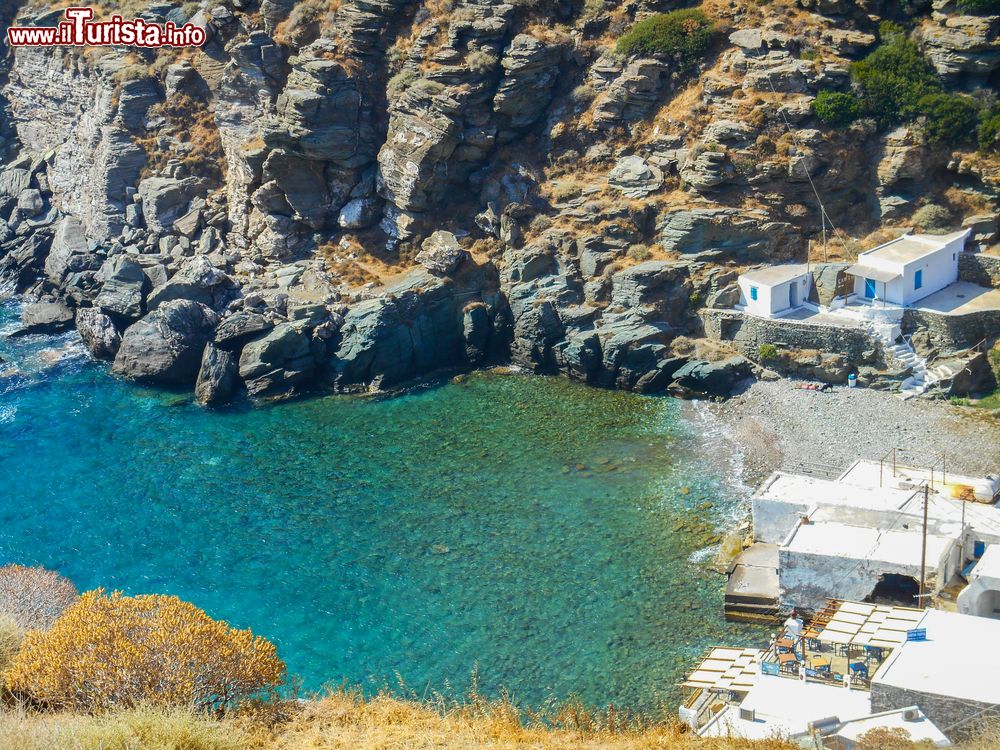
<point>869,272</point>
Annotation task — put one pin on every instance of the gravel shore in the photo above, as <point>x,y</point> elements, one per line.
<point>777,424</point>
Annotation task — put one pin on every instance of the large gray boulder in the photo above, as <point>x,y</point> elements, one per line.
<point>235,330</point>
<point>164,200</point>
<point>441,254</point>
<point>712,378</point>
<point>197,280</point>
<point>166,346</point>
<point>635,178</point>
<point>71,260</point>
<point>216,376</point>
<point>278,363</point>
<point>657,289</point>
<point>98,333</point>
<point>124,287</point>
<point>44,317</point>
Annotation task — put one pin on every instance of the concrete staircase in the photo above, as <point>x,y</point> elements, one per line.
<point>901,349</point>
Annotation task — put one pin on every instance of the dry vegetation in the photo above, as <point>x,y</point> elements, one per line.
<point>191,136</point>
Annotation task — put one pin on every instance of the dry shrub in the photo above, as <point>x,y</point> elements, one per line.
<point>138,729</point>
<point>109,651</point>
<point>189,121</point>
<point>34,597</point>
<point>11,636</point>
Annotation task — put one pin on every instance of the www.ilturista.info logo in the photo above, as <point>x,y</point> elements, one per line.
<point>79,31</point>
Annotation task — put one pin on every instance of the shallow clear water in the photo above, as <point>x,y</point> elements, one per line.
<point>548,533</point>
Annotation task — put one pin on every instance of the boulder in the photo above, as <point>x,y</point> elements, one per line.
<point>712,378</point>
<point>98,333</point>
<point>360,213</point>
<point>164,200</point>
<point>279,362</point>
<point>166,346</point>
<point>30,202</point>
<point>235,330</point>
<point>216,376</point>
<point>71,259</point>
<point>441,254</point>
<point>44,317</point>
<point>634,177</point>
<point>657,289</point>
<point>197,280</point>
<point>123,291</point>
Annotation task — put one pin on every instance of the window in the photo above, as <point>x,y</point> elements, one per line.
<point>918,279</point>
<point>753,293</point>
<point>954,256</point>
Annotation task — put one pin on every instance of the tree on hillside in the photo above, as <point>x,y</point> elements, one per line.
<point>34,597</point>
<point>120,651</point>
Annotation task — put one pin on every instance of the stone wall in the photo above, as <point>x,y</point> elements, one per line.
<point>748,332</point>
<point>944,711</point>
<point>951,333</point>
<point>979,269</point>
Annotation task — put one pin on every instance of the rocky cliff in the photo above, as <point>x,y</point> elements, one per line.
<point>353,193</point>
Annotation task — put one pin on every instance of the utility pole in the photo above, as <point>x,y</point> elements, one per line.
<point>923,551</point>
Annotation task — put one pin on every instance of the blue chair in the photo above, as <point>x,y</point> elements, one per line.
<point>859,669</point>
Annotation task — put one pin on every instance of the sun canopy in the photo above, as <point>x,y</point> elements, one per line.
<point>870,272</point>
<point>726,669</point>
<point>862,624</point>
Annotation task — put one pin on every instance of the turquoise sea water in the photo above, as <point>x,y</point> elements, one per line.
<point>548,534</point>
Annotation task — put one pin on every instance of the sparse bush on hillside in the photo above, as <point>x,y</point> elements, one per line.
<point>836,108</point>
<point>34,597</point>
<point>893,78</point>
<point>766,352</point>
<point>979,7</point>
<point>932,218</point>
<point>683,35</point>
<point>988,134</point>
<point>948,118</point>
<point>399,83</point>
<point>11,637</point>
<point>108,651</point>
<point>639,252</point>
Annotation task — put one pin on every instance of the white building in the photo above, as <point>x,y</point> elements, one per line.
<point>770,291</point>
<point>861,534</point>
<point>982,596</point>
<point>909,268</point>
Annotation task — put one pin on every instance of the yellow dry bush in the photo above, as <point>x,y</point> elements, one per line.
<point>114,650</point>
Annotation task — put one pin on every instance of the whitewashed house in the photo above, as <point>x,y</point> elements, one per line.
<point>768,292</point>
<point>982,596</point>
<point>909,268</point>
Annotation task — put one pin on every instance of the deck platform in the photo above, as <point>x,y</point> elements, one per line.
<point>752,594</point>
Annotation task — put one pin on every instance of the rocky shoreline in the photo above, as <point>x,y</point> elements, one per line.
<point>777,424</point>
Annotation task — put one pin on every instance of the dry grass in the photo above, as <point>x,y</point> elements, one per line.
<point>189,121</point>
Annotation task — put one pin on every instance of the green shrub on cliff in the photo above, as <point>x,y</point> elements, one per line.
<point>948,118</point>
<point>836,108</point>
<point>893,78</point>
<point>684,35</point>
<point>988,133</point>
<point>767,352</point>
<point>979,7</point>
<point>932,218</point>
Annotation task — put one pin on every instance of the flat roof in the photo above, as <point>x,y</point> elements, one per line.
<point>989,564</point>
<point>917,730</point>
<point>784,708</point>
<point>960,659</point>
<point>901,547</point>
<point>911,247</point>
<point>773,275</point>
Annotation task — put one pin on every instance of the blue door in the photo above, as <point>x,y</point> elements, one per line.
<point>869,288</point>
<point>918,279</point>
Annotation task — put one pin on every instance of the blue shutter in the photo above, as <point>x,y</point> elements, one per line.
<point>753,293</point>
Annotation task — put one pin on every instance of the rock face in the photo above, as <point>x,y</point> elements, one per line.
<point>98,333</point>
<point>166,346</point>
<point>360,194</point>
<point>277,362</point>
<point>44,317</point>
